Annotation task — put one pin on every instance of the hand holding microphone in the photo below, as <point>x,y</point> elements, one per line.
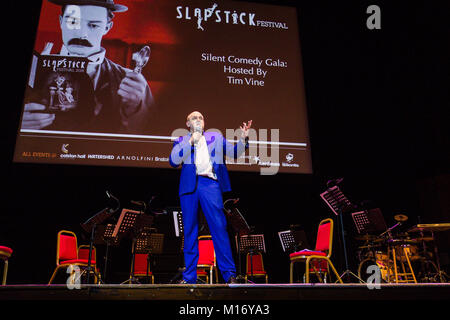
<point>196,135</point>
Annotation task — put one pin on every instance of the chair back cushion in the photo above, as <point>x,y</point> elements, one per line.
<point>256,262</point>
<point>206,252</point>
<point>83,253</point>
<point>323,237</point>
<point>140,263</point>
<point>67,247</point>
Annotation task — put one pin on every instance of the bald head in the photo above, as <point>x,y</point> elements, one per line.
<point>193,113</point>
<point>195,119</point>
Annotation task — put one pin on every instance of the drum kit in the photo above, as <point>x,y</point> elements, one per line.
<point>403,256</point>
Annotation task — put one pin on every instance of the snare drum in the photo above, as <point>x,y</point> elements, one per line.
<point>411,250</point>
<point>381,256</point>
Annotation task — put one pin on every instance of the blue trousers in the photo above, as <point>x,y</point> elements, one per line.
<point>209,196</point>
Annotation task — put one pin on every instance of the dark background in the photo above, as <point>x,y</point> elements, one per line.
<point>376,104</point>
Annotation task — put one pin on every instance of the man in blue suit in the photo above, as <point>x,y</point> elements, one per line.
<point>204,177</point>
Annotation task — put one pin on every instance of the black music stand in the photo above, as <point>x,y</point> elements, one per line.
<point>178,222</point>
<point>287,241</point>
<point>240,228</point>
<point>293,240</point>
<point>252,244</point>
<point>369,221</point>
<point>90,226</point>
<point>130,224</point>
<point>149,242</point>
<point>177,215</point>
<point>104,235</point>
<point>340,204</point>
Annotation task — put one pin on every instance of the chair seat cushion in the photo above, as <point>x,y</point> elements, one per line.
<point>257,272</point>
<point>5,251</point>
<point>307,253</point>
<point>77,261</point>
<point>142,274</point>
<point>202,272</point>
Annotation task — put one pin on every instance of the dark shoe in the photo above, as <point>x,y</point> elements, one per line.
<point>232,280</point>
<point>182,281</point>
<point>200,281</point>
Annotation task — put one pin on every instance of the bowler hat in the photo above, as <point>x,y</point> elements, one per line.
<point>109,4</point>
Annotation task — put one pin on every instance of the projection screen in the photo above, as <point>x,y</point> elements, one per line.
<point>115,90</point>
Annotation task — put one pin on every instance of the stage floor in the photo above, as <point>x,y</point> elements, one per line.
<point>224,292</point>
<point>232,302</point>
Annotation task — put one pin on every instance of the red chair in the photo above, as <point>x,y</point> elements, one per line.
<point>255,267</point>
<point>83,254</point>
<point>320,255</point>
<point>207,258</point>
<point>5,254</point>
<point>142,267</point>
<point>67,253</point>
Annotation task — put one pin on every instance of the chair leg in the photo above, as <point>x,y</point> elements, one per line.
<point>307,269</point>
<point>334,270</point>
<point>291,273</point>
<point>317,273</point>
<point>5,272</point>
<point>211,275</point>
<point>54,274</point>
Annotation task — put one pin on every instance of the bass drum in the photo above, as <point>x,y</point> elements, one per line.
<point>428,272</point>
<point>382,264</point>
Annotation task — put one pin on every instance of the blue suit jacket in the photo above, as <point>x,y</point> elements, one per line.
<point>184,153</point>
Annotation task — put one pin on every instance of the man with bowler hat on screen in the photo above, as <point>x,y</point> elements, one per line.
<point>122,99</point>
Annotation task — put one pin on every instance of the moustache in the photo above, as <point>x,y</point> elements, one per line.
<point>79,42</point>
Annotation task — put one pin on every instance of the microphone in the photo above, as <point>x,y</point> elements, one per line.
<point>197,128</point>
<point>110,196</point>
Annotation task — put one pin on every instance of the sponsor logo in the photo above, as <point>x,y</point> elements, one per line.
<point>64,148</point>
<point>289,157</point>
<point>289,161</point>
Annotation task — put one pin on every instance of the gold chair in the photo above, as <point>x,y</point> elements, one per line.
<point>206,264</point>
<point>5,254</point>
<point>142,267</point>
<point>321,253</point>
<point>83,254</point>
<point>255,267</point>
<point>67,254</point>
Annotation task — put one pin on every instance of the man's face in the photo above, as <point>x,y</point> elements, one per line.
<point>195,119</point>
<point>83,28</point>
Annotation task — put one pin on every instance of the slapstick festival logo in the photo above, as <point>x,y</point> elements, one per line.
<point>232,17</point>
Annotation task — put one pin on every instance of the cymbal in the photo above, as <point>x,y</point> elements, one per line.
<point>370,246</point>
<point>402,241</point>
<point>400,217</point>
<point>366,237</point>
<point>424,239</point>
<point>402,235</point>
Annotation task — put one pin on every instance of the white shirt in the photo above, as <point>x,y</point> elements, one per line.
<point>203,160</point>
